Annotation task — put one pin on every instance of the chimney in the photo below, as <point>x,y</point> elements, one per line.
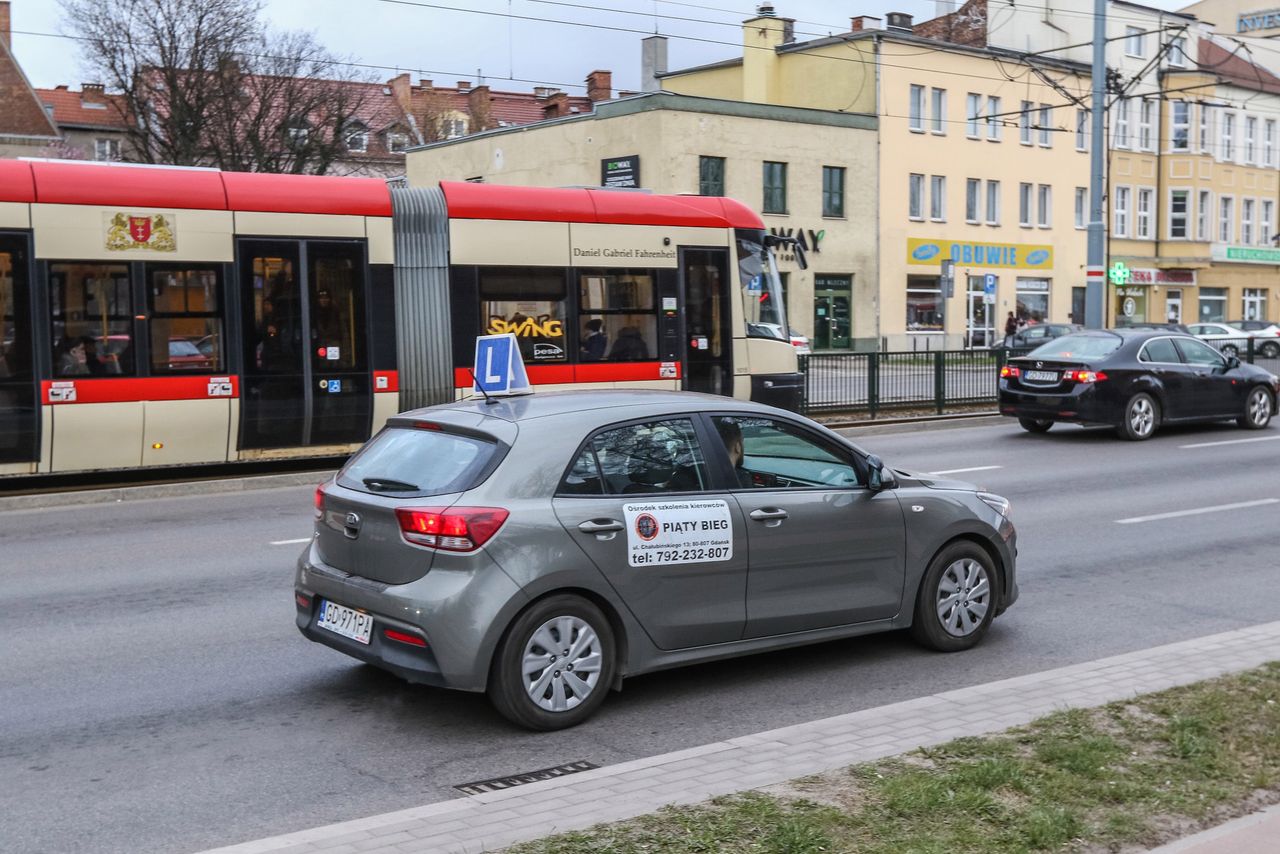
<point>5,35</point>
<point>557,105</point>
<point>600,85</point>
<point>424,83</point>
<point>464,86</point>
<point>93,93</point>
<point>899,21</point>
<point>653,62</point>
<point>402,89</point>
<point>865,22</point>
<point>765,10</point>
<point>479,108</point>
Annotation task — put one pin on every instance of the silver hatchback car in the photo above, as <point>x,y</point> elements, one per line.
<point>542,548</point>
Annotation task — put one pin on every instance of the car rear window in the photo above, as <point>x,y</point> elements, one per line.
<point>413,461</point>
<point>1078,347</point>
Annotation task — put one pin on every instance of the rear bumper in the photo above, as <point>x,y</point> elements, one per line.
<point>1082,404</point>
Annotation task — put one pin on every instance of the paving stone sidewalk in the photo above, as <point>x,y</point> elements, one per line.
<point>490,821</point>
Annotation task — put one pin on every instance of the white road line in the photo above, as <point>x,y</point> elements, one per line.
<point>1219,508</point>
<point>1231,442</point>
<point>291,542</point>
<point>962,471</point>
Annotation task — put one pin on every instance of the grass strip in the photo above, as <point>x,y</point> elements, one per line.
<point>1138,772</point>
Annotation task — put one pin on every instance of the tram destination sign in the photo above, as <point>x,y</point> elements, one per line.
<point>620,172</point>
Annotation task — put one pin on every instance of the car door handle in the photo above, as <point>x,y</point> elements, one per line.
<point>771,516</point>
<point>602,528</point>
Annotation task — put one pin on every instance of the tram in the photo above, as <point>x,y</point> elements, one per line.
<point>164,316</point>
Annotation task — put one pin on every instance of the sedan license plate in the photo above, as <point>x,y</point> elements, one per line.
<point>1041,376</point>
<point>345,621</point>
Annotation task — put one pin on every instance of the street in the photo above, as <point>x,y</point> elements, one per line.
<point>157,696</point>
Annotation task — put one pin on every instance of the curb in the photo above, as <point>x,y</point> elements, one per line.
<point>916,425</point>
<point>116,495</point>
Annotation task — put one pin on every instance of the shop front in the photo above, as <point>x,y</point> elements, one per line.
<point>1151,295</point>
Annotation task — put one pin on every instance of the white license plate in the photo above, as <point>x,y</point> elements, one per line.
<point>345,621</point>
<point>1041,376</point>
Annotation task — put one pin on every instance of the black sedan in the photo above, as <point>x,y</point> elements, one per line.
<point>1135,380</point>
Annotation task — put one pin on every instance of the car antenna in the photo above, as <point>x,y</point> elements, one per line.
<point>489,401</point>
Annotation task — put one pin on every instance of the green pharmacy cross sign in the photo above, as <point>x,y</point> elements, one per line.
<point>1119,273</point>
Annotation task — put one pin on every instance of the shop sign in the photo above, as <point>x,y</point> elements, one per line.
<point>1265,20</point>
<point>1118,274</point>
<point>1132,291</point>
<point>620,172</point>
<point>1244,254</point>
<point>1019,256</point>
<point>125,231</point>
<point>1153,276</point>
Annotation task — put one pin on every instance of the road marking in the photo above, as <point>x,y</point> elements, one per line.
<point>1219,508</point>
<point>962,471</point>
<point>1231,442</point>
<point>291,542</point>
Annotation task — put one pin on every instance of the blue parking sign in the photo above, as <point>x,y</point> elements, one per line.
<point>499,365</point>
<point>989,284</point>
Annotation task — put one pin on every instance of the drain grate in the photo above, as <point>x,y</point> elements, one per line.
<point>497,784</point>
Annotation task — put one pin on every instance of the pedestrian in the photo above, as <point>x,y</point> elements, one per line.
<point>1010,325</point>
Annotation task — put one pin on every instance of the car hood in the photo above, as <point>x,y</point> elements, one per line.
<point>924,478</point>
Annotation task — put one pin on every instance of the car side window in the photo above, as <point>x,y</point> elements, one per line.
<point>770,454</point>
<point>1160,350</point>
<point>1199,353</point>
<point>656,456</point>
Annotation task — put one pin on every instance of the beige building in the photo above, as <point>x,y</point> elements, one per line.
<point>816,168</point>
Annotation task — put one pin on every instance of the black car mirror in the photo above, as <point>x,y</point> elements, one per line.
<point>879,477</point>
<point>1233,362</point>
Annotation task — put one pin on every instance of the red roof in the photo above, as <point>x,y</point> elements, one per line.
<point>74,108</point>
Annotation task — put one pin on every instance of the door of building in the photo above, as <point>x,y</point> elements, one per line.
<point>832,318</point>
<point>1077,304</point>
<point>1173,305</point>
<point>708,359</point>
<point>306,367</point>
<point>980,329</point>
<point>19,411</point>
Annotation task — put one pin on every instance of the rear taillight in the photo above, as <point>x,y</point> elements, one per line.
<point>455,529</point>
<point>1010,371</point>
<point>320,501</point>
<point>1084,376</point>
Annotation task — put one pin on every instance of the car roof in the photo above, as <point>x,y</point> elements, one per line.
<point>560,403</point>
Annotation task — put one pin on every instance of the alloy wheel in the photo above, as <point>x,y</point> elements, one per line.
<point>1259,407</point>
<point>964,595</point>
<point>561,663</point>
<point>1142,416</point>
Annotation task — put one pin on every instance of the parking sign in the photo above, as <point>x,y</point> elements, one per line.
<point>499,366</point>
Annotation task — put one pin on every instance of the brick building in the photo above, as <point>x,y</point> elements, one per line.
<point>26,130</point>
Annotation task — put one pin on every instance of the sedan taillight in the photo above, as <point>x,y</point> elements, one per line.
<point>455,529</point>
<point>1009,371</point>
<point>319,500</point>
<point>1084,376</point>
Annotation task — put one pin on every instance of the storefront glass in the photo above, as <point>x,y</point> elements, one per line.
<point>1033,300</point>
<point>1255,304</point>
<point>924,304</point>
<point>1130,305</point>
<point>1213,305</point>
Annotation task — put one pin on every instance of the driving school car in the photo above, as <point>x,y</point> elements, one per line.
<point>543,548</point>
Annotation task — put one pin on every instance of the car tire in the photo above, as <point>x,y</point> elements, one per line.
<point>1259,406</point>
<point>1270,350</point>
<point>1140,419</point>
<point>958,598</point>
<point>1230,350</point>
<point>563,622</point>
<point>1035,425</point>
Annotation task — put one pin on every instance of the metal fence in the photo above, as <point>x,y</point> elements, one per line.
<point>873,382</point>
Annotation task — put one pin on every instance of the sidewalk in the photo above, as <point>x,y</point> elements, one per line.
<point>1253,834</point>
<point>492,820</point>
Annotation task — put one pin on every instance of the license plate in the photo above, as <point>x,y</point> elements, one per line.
<point>345,621</point>
<point>1041,376</point>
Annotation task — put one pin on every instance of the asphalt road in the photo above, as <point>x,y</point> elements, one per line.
<point>155,695</point>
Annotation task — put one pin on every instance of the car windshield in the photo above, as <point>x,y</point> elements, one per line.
<point>1078,347</point>
<point>425,462</point>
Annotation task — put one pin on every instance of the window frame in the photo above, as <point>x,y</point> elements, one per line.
<point>829,194</point>
<point>1025,136</point>
<point>937,198</point>
<point>916,103</point>
<point>1044,206</point>
<point>714,476</point>
<point>1026,204</point>
<point>1173,216</point>
<point>834,447</point>
<point>916,184</point>
<point>1135,42</point>
<point>1046,126</point>
<point>1081,207</point>
<point>995,126</point>
<point>779,188</point>
<point>973,201</point>
<point>938,111</point>
<point>1226,217</point>
<point>218,314</point>
<point>1144,220</point>
<point>705,160</point>
<point>1118,211</point>
<point>1176,125</point>
<point>993,202</point>
<point>972,117</point>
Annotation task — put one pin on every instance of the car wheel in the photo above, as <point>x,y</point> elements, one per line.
<point>957,599</point>
<point>1141,418</point>
<point>1230,350</point>
<point>1270,350</point>
<point>1258,407</point>
<point>555,664</point>
<point>1035,425</point>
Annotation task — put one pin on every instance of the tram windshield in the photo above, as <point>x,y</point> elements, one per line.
<point>762,300</point>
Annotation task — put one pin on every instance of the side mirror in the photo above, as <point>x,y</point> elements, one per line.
<point>878,477</point>
<point>1233,362</point>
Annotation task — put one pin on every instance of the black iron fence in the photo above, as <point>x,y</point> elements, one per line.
<point>942,379</point>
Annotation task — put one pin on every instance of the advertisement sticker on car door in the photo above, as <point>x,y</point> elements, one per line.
<point>665,532</point>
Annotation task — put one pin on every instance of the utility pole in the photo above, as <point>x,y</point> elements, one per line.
<point>1095,265</point>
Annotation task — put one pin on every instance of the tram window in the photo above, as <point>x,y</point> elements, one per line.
<point>277,316</point>
<point>185,325</point>
<point>530,303</point>
<point>336,300</point>
<point>92,313</point>
<point>15,332</point>
<point>617,321</point>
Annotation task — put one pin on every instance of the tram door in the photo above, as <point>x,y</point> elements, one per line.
<point>707,334</point>
<point>306,365</point>
<point>19,413</point>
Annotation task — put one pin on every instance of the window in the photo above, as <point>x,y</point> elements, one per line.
<point>1247,207</point>
<point>938,198</point>
<point>775,187</point>
<point>972,201</point>
<point>1120,211</point>
<point>1122,123</point>
<point>778,455</point>
<point>1226,219</point>
<point>433,461</point>
<point>1173,305</point>
<point>1269,142</point>
<point>1024,205</point>
<point>1082,207</point>
<point>1180,119</point>
<point>105,148</point>
<point>1046,126</point>
<point>1266,222</point>
<point>1250,138</point>
<point>972,109</point>
<point>1255,304</point>
<point>1033,299</point>
<point>924,304</point>
<point>1045,204</point>
<point>297,135</point>
<point>1146,124</point>
<point>1178,203</point>
<point>528,302</point>
<point>453,128</point>
<point>1178,52</point>
<point>1024,123</point>
<point>1204,199</point>
<point>91,306</point>
<point>1213,305</point>
<point>1160,350</point>
<point>711,176</point>
<point>1146,199</point>
<point>397,142</point>
<point>1082,130</point>
<point>1228,150</point>
<point>915,196</point>
<point>184,321</point>
<point>993,203</point>
<point>618,319</point>
<point>1197,352</point>
<point>1135,41</point>
<point>358,141</point>
<point>995,123</point>
<point>833,191</point>
<point>658,456</point>
<point>915,109</point>
<point>1206,129</point>
<point>939,111</point>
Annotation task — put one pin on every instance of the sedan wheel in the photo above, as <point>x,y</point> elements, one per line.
<point>1230,350</point>
<point>1270,350</point>
<point>1258,407</point>
<point>957,598</point>
<point>1035,425</point>
<point>1141,417</point>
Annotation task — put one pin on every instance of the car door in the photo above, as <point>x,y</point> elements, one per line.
<point>1214,389</point>
<point>1162,359</point>
<point>824,549</point>
<point>639,501</point>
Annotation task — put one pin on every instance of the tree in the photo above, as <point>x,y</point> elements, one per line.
<point>204,83</point>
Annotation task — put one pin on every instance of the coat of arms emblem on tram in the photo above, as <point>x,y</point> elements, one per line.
<point>141,231</point>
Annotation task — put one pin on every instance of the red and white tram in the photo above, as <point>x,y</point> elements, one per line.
<point>160,316</point>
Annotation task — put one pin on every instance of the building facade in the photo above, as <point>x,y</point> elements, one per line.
<point>26,130</point>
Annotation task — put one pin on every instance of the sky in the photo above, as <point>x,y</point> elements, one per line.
<point>511,44</point>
